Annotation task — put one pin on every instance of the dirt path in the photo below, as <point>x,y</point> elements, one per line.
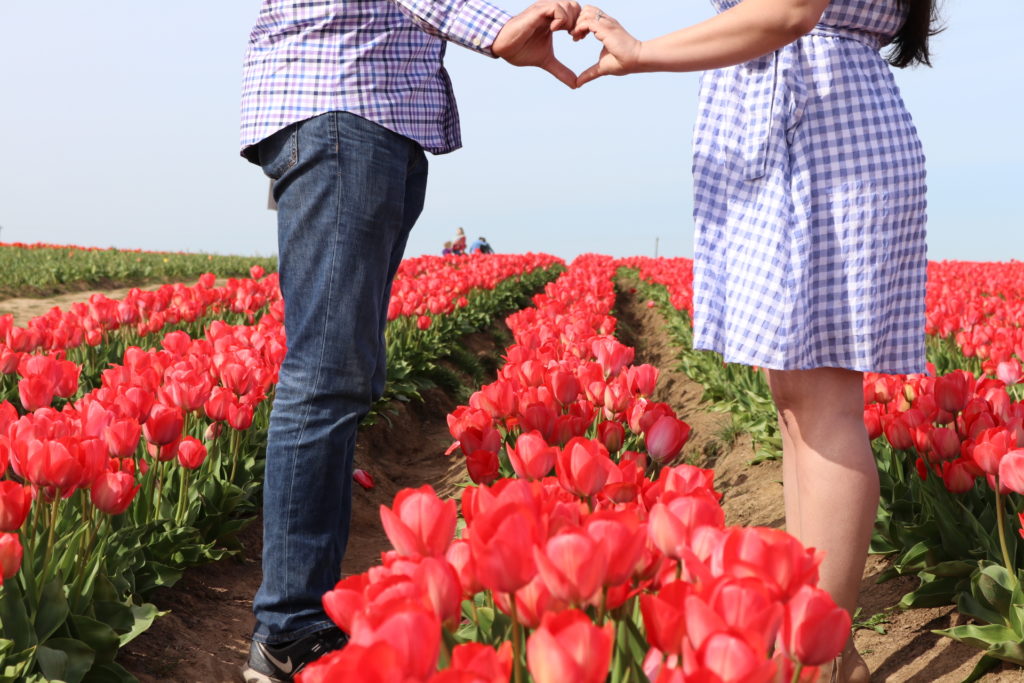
<point>908,652</point>
<point>24,308</point>
<point>205,636</point>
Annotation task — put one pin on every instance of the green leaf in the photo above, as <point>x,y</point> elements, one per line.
<point>984,665</point>
<point>933,592</point>
<point>98,636</point>
<point>144,616</point>
<point>65,659</point>
<point>109,672</point>
<point>53,609</point>
<point>14,617</point>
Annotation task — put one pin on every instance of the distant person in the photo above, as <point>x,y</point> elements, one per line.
<point>365,78</point>
<point>481,246</point>
<point>447,249</point>
<point>459,245</point>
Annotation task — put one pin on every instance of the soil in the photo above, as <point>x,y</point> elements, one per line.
<point>204,635</point>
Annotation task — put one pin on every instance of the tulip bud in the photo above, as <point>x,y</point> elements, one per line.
<point>113,492</point>
<point>10,555</point>
<point>363,478</point>
<point>15,501</point>
<point>191,453</point>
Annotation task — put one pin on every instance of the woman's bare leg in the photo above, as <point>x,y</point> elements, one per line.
<point>831,463</point>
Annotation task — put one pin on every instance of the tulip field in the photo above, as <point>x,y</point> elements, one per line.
<point>585,543</point>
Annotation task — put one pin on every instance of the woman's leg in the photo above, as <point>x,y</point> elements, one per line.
<point>832,467</point>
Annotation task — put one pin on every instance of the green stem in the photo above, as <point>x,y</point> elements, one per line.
<point>603,607</point>
<point>517,641</point>
<point>48,553</point>
<point>1001,525</point>
<point>235,435</point>
<point>182,497</point>
<point>796,672</point>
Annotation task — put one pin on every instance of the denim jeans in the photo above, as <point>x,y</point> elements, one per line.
<point>348,193</point>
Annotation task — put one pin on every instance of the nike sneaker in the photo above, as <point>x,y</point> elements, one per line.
<point>273,663</point>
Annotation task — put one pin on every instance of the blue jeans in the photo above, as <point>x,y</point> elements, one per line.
<point>348,192</point>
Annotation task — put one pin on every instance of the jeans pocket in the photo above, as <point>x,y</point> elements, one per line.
<point>279,152</point>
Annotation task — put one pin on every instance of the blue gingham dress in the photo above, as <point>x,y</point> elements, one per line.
<point>809,208</point>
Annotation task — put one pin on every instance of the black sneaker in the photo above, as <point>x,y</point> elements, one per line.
<point>269,663</point>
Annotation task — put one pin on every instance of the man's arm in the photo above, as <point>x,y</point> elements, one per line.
<point>522,40</point>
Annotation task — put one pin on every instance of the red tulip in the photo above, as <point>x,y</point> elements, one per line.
<point>113,492</point>
<point>569,647</point>
<point>220,401</point>
<point>991,446</point>
<point>611,434</point>
<point>664,620</point>
<point>572,566</point>
<point>670,524</point>
<point>533,601</point>
<point>957,477</point>
<point>375,663</point>
<point>460,557</point>
<point>240,416</point>
<point>191,453</point>
<point>483,662</point>
<point>815,629</point>
<point>363,478</point>
<point>952,391</point>
<point>623,537</point>
<point>15,502</point>
<point>163,426</point>
<point>483,466</point>
<point>501,541</point>
<point>1011,470</point>
<point>583,467</point>
<point>36,391</point>
<point>564,386</point>
<point>122,437</point>
<point>419,524</point>
<point>10,555</point>
<point>532,457</point>
<point>424,322</point>
<point>665,438</point>
<point>411,629</point>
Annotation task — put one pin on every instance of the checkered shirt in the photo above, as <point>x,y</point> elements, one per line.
<point>809,186</point>
<point>379,59</point>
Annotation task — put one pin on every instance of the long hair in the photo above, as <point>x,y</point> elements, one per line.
<point>910,46</point>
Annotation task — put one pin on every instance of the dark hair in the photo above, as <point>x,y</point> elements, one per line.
<point>910,46</point>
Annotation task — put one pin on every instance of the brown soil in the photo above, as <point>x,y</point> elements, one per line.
<point>204,636</point>
<point>26,307</point>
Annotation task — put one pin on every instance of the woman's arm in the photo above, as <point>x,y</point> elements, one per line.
<point>741,33</point>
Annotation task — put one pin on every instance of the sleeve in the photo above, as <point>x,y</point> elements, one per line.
<point>471,23</point>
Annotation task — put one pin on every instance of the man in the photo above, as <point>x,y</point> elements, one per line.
<point>481,246</point>
<point>340,100</point>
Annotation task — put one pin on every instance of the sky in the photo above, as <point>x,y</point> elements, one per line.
<point>119,128</point>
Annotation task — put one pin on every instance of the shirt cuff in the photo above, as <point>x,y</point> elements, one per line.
<point>476,25</point>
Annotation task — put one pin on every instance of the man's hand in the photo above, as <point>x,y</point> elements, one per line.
<point>526,39</point>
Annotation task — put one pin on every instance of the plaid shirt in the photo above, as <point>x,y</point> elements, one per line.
<point>379,59</point>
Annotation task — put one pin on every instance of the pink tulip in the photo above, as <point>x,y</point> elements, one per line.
<point>569,647</point>
<point>815,629</point>
<point>532,457</point>
<point>419,524</point>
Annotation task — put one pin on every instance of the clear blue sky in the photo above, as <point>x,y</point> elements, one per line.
<point>120,123</point>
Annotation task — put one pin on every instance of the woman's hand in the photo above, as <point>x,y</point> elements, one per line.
<point>621,52</point>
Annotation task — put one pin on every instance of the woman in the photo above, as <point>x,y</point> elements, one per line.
<point>810,253</point>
